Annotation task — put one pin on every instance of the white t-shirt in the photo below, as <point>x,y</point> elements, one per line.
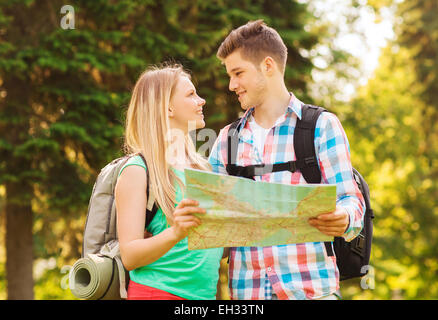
<point>259,134</point>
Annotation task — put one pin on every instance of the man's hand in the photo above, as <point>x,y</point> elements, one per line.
<point>332,224</point>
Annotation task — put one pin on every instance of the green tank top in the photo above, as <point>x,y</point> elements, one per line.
<point>188,274</point>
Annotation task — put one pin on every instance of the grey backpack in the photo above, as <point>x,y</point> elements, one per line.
<point>100,274</point>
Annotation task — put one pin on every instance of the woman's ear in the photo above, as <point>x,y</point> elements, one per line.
<point>170,111</point>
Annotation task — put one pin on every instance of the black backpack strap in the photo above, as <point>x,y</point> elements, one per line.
<point>252,170</point>
<point>150,214</point>
<point>261,169</point>
<point>304,145</point>
<point>232,144</point>
<point>257,169</point>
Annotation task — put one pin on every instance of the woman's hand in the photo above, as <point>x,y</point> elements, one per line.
<point>183,218</point>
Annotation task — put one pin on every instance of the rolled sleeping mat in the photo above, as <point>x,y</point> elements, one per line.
<point>95,277</point>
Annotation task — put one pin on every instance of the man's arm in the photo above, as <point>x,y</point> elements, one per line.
<point>333,151</point>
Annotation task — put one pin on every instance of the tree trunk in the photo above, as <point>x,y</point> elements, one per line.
<point>19,192</point>
<point>19,243</point>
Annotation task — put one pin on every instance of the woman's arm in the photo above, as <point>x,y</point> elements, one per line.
<point>130,198</point>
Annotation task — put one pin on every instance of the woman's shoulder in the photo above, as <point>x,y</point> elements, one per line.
<point>134,160</point>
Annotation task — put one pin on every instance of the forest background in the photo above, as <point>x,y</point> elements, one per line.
<point>64,92</point>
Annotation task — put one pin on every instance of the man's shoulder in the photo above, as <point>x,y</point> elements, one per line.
<point>329,126</point>
<point>226,129</point>
<point>328,118</point>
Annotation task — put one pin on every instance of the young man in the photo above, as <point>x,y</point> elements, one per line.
<point>255,57</point>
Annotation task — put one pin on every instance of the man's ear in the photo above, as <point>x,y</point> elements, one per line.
<point>268,66</point>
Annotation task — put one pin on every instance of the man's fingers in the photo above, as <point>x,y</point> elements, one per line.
<point>333,232</point>
<point>332,224</point>
<point>329,217</point>
<point>327,223</point>
<point>330,229</point>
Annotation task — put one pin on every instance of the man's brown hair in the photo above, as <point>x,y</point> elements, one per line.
<point>256,41</point>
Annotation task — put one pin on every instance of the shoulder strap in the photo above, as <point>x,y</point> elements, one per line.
<point>304,145</point>
<point>232,143</point>
<point>151,208</point>
<point>232,135</point>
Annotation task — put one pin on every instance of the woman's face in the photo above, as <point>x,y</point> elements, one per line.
<point>185,111</point>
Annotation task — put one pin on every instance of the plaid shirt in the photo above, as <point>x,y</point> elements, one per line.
<point>294,271</point>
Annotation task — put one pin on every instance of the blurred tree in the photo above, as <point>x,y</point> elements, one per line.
<point>392,127</point>
<point>419,33</point>
<point>63,94</point>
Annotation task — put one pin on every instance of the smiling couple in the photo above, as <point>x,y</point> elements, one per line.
<point>164,98</point>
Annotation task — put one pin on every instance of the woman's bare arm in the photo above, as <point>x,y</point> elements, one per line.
<point>130,197</point>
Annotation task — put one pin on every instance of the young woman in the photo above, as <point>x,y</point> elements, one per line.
<point>163,106</point>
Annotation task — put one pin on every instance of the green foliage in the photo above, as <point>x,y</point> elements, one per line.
<point>63,94</point>
<point>389,125</point>
<point>66,91</point>
<point>53,285</point>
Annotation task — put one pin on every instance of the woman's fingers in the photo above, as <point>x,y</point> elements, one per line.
<point>188,218</point>
<point>187,202</point>
<point>188,210</point>
<point>188,225</point>
<point>184,217</point>
<point>183,223</point>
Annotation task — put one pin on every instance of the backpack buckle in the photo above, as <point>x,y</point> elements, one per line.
<point>292,166</point>
<point>358,245</point>
<point>310,161</point>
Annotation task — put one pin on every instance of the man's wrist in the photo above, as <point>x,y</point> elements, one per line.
<point>347,235</point>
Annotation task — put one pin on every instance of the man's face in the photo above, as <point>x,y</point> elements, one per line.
<point>246,80</point>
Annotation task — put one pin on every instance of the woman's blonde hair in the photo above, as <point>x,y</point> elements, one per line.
<point>147,129</point>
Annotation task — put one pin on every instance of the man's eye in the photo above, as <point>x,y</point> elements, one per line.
<point>238,73</point>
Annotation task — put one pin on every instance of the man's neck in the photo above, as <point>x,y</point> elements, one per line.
<point>274,105</point>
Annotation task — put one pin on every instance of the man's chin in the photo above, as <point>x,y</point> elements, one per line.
<point>245,106</point>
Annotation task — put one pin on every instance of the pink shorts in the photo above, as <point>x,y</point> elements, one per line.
<point>138,291</point>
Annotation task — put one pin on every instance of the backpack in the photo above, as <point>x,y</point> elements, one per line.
<point>95,275</point>
<point>352,258</point>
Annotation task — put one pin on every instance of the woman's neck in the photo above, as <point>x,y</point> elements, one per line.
<point>180,162</point>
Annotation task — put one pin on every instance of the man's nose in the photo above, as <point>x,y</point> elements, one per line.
<point>232,86</point>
